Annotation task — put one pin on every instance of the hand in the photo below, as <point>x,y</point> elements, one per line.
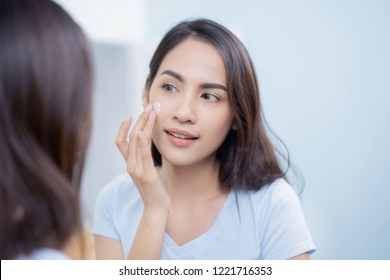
<point>139,161</point>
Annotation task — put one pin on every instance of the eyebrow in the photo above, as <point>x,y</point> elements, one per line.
<point>180,78</point>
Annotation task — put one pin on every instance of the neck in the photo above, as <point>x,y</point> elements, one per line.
<point>197,181</point>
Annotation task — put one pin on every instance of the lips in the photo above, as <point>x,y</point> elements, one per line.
<point>180,138</point>
<point>182,134</point>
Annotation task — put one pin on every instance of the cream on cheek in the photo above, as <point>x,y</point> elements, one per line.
<point>156,107</point>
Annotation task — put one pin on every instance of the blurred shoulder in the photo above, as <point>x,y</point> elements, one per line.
<point>120,186</point>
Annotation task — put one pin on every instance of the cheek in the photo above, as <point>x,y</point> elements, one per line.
<point>224,129</point>
<point>156,98</point>
<point>165,106</point>
<point>154,94</point>
<point>162,115</point>
<point>216,129</point>
<point>223,121</point>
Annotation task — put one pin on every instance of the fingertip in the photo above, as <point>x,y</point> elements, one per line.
<point>127,121</point>
<point>127,118</point>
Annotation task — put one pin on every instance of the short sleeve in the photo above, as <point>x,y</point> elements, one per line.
<point>103,223</point>
<point>285,232</point>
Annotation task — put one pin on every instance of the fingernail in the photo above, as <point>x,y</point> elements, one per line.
<point>156,107</point>
<point>148,108</point>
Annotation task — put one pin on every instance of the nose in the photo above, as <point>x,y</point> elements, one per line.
<point>185,109</point>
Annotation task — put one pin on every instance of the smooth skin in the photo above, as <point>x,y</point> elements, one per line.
<point>184,197</point>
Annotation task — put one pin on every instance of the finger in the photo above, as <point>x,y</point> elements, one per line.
<point>141,122</point>
<point>134,138</point>
<point>121,139</point>
<point>147,159</point>
<point>147,131</point>
<point>139,165</point>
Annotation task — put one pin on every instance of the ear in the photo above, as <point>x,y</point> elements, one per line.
<point>145,97</point>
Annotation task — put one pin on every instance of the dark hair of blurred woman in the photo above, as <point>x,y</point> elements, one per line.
<point>45,119</point>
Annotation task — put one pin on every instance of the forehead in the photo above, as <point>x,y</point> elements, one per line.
<point>195,60</point>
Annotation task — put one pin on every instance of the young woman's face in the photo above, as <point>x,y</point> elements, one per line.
<point>195,114</point>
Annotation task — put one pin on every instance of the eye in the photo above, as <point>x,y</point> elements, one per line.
<point>169,88</point>
<point>210,97</point>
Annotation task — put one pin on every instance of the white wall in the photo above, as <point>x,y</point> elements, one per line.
<point>324,71</point>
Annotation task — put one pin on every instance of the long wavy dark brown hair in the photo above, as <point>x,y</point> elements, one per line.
<point>45,118</point>
<point>248,159</point>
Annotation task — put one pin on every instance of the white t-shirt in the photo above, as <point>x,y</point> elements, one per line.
<point>44,254</point>
<point>264,224</point>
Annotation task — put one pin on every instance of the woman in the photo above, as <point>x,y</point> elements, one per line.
<point>45,119</point>
<point>211,186</point>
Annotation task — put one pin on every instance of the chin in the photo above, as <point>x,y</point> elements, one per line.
<point>187,159</point>
<point>178,160</point>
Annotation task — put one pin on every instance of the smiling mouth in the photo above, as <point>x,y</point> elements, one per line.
<point>177,135</point>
